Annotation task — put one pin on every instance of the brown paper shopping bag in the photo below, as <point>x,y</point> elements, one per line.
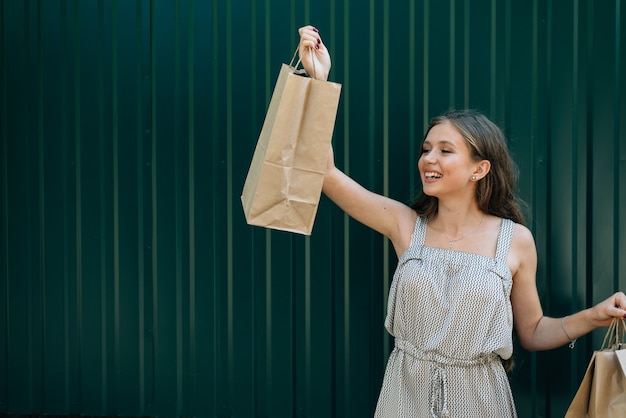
<point>284,183</point>
<point>602,392</point>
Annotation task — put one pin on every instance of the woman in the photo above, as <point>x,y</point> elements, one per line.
<point>466,271</point>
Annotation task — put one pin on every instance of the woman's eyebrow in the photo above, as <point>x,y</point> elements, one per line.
<point>444,142</point>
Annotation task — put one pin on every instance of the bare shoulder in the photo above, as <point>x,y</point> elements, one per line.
<point>522,236</point>
<point>523,253</point>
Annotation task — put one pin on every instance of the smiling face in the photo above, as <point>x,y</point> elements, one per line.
<point>459,145</point>
<point>446,164</point>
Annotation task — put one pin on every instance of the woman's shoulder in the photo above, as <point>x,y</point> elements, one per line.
<point>520,233</point>
<point>523,251</point>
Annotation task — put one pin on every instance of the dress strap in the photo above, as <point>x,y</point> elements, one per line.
<point>504,239</point>
<point>419,232</point>
<point>417,242</point>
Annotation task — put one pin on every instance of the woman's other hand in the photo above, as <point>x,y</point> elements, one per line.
<point>613,307</point>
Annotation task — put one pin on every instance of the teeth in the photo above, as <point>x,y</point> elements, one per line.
<point>431,175</point>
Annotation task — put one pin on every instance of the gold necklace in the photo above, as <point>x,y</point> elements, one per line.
<point>451,241</point>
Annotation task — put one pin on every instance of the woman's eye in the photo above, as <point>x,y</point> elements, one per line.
<point>442,151</point>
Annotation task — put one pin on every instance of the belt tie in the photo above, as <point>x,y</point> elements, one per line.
<point>438,396</point>
<point>438,393</point>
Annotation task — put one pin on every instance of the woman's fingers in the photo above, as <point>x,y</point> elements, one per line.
<point>313,53</point>
<point>309,37</point>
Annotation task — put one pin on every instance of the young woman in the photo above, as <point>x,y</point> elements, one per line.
<point>466,271</point>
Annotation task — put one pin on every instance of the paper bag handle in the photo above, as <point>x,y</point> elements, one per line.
<point>300,59</point>
<point>615,335</point>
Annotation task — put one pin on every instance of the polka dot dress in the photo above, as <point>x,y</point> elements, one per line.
<point>450,313</point>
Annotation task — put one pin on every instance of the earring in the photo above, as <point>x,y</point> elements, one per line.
<point>473,178</point>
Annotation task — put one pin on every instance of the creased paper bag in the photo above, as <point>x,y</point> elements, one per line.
<point>284,183</point>
<point>602,392</point>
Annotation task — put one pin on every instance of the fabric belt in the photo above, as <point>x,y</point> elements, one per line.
<point>438,394</point>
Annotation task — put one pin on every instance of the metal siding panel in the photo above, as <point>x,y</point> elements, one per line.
<point>167,195</point>
<point>131,132</point>
<point>522,49</point>
<point>604,171</point>
<point>23,193</point>
<point>202,262</point>
<point>129,71</point>
<point>480,56</point>
<point>241,281</point>
<point>618,142</point>
<point>4,213</point>
<point>132,284</point>
<point>91,343</point>
<point>360,155</point>
<point>221,378</point>
<point>561,175</point>
<point>55,221</point>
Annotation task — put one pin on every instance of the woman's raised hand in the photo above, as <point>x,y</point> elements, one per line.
<point>313,53</point>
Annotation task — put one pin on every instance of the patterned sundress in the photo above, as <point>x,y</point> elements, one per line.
<point>450,313</point>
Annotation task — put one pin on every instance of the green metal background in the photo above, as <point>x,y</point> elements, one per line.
<point>130,282</point>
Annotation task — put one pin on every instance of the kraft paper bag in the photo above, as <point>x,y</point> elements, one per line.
<point>602,392</point>
<point>284,183</point>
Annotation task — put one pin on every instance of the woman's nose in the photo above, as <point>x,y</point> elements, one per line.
<point>428,157</point>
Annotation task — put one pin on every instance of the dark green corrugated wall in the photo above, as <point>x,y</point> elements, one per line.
<point>130,283</point>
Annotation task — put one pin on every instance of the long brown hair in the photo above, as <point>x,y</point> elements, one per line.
<point>495,193</point>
